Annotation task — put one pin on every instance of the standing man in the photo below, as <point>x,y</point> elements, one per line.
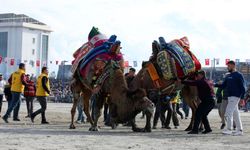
<point>206,95</point>
<point>29,94</point>
<point>2,84</point>
<point>17,81</point>
<point>42,92</point>
<point>235,85</point>
<point>130,76</point>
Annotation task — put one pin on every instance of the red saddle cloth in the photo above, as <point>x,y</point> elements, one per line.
<point>184,43</point>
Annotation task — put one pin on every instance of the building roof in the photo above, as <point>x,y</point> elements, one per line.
<point>11,17</point>
<point>21,20</point>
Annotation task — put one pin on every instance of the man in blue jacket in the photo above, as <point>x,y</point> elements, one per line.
<point>235,85</point>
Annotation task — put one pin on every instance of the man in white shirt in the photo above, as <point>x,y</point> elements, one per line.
<point>2,84</point>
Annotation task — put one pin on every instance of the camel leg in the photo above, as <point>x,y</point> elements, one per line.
<point>86,100</point>
<point>97,112</point>
<point>148,114</point>
<point>76,96</point>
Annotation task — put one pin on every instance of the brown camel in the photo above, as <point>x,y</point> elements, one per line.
<point>189,93</point>
<point>126,104</point>
<point>123,103</point>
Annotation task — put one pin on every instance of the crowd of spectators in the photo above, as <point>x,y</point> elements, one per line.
<point>60,91</point>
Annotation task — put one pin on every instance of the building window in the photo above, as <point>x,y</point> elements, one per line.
<point>33,40</point>
<point>33,51</point>
<point>3,43</point>
<point>45,47</point>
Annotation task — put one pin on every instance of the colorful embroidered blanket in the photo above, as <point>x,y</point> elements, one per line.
<point>175,59</point>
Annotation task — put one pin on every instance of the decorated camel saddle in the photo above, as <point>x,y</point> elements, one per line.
<point>92,57</point>
<point>174,59</point>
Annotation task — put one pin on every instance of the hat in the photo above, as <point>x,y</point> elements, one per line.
<point>231,62</point>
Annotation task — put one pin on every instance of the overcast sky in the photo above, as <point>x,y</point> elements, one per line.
<point>215,28</point>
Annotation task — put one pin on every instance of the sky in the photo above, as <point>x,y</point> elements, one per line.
<point>215,28</point>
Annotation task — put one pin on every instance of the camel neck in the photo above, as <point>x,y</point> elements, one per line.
<point>118,82</point>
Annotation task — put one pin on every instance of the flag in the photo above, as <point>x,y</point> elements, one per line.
<point>18,62</point>
<point>237,61</point>
<point>207,62</point>
<point>227,60</point>
<point>217,61</point>
<point>126,64</point>
<point>44,64</point>
<point>6,60</point>
<point>1,58</point>
<point>12,61</point>
<point>135,63</point>
<point>38,63</point>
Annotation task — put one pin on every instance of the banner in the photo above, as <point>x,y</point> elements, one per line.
<point>207,62</point>
<point>227,60</point>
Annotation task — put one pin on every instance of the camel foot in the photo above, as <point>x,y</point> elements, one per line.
<point>72,126</point>
<point>138,129</point>
<point>188,129</point>
<point>147,130</point>
<point>93,129</point>
<point>114,126</point>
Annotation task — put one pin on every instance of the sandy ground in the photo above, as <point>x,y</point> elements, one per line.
<point>25,135</point>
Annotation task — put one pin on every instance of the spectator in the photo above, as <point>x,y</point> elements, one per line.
<point>2,84</point>
<point>29,94</point>
<point>234,84</point>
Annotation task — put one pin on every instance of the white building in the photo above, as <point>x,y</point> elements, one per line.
<point>23,39</point>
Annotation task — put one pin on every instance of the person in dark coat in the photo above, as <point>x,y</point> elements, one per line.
<point>207,97</point>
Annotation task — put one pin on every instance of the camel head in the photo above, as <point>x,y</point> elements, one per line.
<point>140,100</point>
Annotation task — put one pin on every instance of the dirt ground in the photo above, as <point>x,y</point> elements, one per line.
<point>24,135</point>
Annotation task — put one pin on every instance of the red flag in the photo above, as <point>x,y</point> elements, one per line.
<point>57,62</point>
<point>38,63</point>
<point>126,64</point>
<point>12,61</point>
<point>1,59</point>
<point>207,62</point>
<point>227,60</point>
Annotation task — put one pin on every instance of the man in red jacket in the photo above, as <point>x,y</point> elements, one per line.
<point>29,94</point>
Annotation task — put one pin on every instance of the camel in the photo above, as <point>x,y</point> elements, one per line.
<point>124,104</point>
<point>189,93</point>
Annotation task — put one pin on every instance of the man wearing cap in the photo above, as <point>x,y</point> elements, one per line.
<point>235,85</point>
<point>206,96</point>
<point>2,84</point>
<point>42,92</point>
<point>17,81</point>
